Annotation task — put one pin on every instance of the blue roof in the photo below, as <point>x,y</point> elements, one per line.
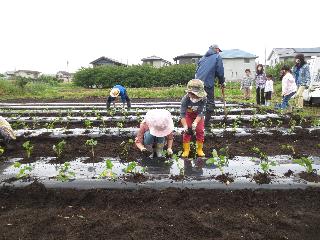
<point>236,53</point>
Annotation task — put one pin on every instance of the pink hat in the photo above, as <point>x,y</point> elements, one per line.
<point>160,122</point>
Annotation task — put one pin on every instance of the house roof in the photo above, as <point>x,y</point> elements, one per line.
<point>28,71</point>
<point>236,53</point>
<point>108,59</point>
<point>188,55</point>
<point>64,73</point>
<point>153,57</point>
<point>291,52</point>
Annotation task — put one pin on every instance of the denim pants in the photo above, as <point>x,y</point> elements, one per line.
<point>150,139</point>
<point>285,101</point>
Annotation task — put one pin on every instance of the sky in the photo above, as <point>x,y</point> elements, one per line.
<point>65,35</point>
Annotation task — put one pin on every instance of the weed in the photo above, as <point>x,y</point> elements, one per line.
<point>64,173</point>
<point>59,147</point>
<point>1,151</point>
<point>22,170</point>
<point>28,147</point>
<point>92,143</point>
<point>305,162</point>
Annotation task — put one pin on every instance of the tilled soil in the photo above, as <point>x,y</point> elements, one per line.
<point>35,212</point>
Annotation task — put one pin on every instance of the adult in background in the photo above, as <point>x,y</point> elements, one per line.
<point>260,81</point>
<point>117,91</point>
<point>6,133</point>
<point>156,125</point>
<point>301,73</point>
<point>210,67</point>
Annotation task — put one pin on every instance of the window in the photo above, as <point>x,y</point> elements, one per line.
<point>246,60</point>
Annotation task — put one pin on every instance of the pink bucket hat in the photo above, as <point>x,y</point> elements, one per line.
<point>160,122</point>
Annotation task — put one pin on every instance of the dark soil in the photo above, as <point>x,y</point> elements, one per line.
<point>224,178</point>
<point>262,178</point>
<point>310,177</point>
<point>289,173</point>
<point>303,142</point>
<point>35,212</point>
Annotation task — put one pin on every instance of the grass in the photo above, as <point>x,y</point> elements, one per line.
<point>44,91</point>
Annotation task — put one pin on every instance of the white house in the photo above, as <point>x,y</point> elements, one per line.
<point>235,62</point>
<point>285,54</point>
<point>155,61</point>
<point>64,76</point>
<point>27,74</point>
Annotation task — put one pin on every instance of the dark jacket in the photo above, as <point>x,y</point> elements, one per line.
<point>209,67</point>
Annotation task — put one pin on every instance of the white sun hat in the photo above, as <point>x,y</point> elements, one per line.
<point>160,122</point>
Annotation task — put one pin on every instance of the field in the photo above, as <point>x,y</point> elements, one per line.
<point>74,173</point>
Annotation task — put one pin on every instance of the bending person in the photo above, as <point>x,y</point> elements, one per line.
<point>114,94</point>
<point>156,125</point>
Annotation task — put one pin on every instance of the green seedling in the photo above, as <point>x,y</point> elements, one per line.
<point>120,124</point>
<point>269,122</point>
<point>1,151</point>
<point>125,147</point>
<point>64,173</point>
<point>28,147</point>
<point>265,164</point>
<point>255,121</point>
<point>59,147</point>
<point>92,143</point>
<point>107,172</point>
<point>175,158</point>
<point>288,147</point>
<point>132,168</point>
<point>22,170</point>
<point>306,163</point>
<point>236,123</point>
<point>315,122</point>
<point>292,124</point>
<point>87,123</point>
<point>279,123</point>
<point>318,145</point>
<point>218,160</point>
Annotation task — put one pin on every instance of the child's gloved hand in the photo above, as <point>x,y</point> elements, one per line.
<point>169,151</point>
<point>250,87</point>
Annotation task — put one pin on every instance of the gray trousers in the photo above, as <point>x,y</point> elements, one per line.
<point>210,106</point>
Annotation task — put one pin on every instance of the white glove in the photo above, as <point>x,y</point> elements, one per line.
<point>250,87</point>
<point>169,151</point>
<point>194,126</point>
<point>240,87</point>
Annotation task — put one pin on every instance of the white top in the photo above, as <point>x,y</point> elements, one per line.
<point>269,86</point>
<point>288,84</point>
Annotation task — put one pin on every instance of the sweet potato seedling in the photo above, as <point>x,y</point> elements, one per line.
<point>64,173</point>
<point>22,170</point>
<point>28,147</point>
<point>59,147</point>
<point>305,162</point>
<point>92,143</point>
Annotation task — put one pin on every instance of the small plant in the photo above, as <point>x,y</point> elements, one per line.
<point>120,124</point>
<point>315,122</point>
<point>288,147</point>
<point>1,151</point>
<point>175,158</point>
<point>265,164</point>
<point>279,123</point>
<point>292,124</point>
<point>318,145</point>
<point>125,147</point>
<point>92,143</point>
<point>306,163</point>
<point>28,147</point>
<point>132,168</point>
<point>236,123</point>
<point>255,121</point>
<point>64,173</point>
<point>218,160</point>
<point>107,172</point>
<point>87,123</point>
<point>22,170</point>
<point>269,122</point>
<point>51,124</point>
<point>59,147</point>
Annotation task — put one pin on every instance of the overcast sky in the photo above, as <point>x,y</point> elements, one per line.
<point>43,35</point>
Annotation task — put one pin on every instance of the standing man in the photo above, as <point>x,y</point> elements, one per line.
<point>209,68</point>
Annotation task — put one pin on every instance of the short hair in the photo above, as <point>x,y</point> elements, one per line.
<point>247,70</point>
<point>300,56</point>
<point>286,68</point>
<point>269,76</point>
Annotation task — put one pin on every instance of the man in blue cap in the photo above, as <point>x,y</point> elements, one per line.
<point>210,67</point>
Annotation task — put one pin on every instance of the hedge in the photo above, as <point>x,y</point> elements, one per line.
<point>134,76</point>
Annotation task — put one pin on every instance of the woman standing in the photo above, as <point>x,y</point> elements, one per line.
<point>301,74</point>
<point>260,80</point>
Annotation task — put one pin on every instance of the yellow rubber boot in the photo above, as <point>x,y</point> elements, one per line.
<point>186,150</point>
<point>200,152</point>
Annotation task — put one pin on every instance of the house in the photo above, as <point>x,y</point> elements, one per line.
<point>155,61</point>
<point>106,61</point>
<point>235,62</point>
<point>285,54</point>
<point>64,76</point>
<point>9,74</point>
<point>187,58</point>
<point>27,74</point>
